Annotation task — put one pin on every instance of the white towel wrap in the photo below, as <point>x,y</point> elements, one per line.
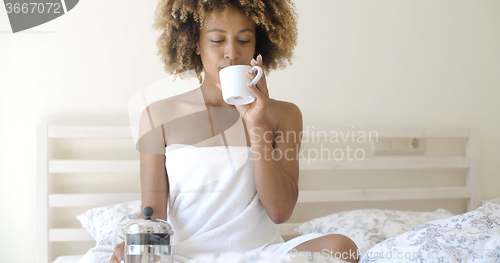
<point>214,206</point>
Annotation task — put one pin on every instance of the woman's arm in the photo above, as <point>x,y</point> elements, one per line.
<point>276,163</point>
<point>154,192</point>
<point>154,184</point>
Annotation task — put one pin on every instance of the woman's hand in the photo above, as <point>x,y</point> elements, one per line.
<point>118,253</point>
<point>254,112</point>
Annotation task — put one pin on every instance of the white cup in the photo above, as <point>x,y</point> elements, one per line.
<point>233,81</point>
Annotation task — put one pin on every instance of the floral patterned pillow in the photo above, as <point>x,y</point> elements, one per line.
<point>107,223</point>
<point>469,237</point>
<point>367,227</point>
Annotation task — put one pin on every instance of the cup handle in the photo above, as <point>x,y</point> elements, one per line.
<point>259,75</point>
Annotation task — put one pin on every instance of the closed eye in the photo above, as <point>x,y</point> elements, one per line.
<point>217,41</point>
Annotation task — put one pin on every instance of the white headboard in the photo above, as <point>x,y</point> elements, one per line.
<point>49,235</point>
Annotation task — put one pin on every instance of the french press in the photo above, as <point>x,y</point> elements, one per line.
<point>148,240</point>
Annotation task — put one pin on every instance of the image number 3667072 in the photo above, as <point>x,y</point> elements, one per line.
<point>25,14</point>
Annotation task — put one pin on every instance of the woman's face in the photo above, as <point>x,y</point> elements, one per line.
<point>224,41</point>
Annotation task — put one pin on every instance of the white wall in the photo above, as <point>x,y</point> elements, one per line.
<point>358,63</point>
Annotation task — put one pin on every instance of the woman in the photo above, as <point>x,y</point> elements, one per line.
<point>206,36</point>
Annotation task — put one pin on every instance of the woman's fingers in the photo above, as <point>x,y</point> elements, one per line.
<point>263,79</point>
<point>261,85</point>
<point>250,74</point>
<point>114,259</point>
<point>118,253</point>
<point>253,62</point>
<point>257,93</point>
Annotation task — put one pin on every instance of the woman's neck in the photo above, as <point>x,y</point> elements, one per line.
<point>212,94</point>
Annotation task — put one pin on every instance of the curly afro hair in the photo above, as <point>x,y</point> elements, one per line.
<point>181,20</point>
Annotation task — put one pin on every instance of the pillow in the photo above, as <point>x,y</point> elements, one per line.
<point>107,223</point>
<point>495,200</point>
<point>469,237</point>
<point>367,227</point>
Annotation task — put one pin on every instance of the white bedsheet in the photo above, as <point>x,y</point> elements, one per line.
<point>68,259</point>
<point>470,237</point>
<point>102,254</point>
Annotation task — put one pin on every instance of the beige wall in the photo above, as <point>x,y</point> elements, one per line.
<point>358,63</point>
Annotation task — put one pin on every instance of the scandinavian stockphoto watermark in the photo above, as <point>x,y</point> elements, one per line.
<point>25,14</point>
<point>431,255</point>
<point>325,253</point>
<point>329,144</point>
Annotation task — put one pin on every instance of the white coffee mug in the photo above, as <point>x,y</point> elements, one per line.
<point>233,82</point>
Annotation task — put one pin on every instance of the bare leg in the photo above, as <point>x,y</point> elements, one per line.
<point>335,245</point>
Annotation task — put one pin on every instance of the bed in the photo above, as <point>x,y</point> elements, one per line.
<point>424,206</point>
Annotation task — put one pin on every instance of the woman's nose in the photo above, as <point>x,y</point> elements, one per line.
<point>232,52</point>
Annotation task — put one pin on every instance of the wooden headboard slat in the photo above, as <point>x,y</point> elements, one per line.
<point>384,194</point>
<point>82,200</point>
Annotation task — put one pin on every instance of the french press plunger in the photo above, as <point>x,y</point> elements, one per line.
<point>148,240</point>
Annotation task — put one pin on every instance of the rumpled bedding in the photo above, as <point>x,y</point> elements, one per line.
<point>470,237</point>
<point>102,254</point>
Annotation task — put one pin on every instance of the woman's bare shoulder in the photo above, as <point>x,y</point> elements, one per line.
<point>187,98</point>
<point>284,113</point>
<point>282,108</point>
<point>174,107</point>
